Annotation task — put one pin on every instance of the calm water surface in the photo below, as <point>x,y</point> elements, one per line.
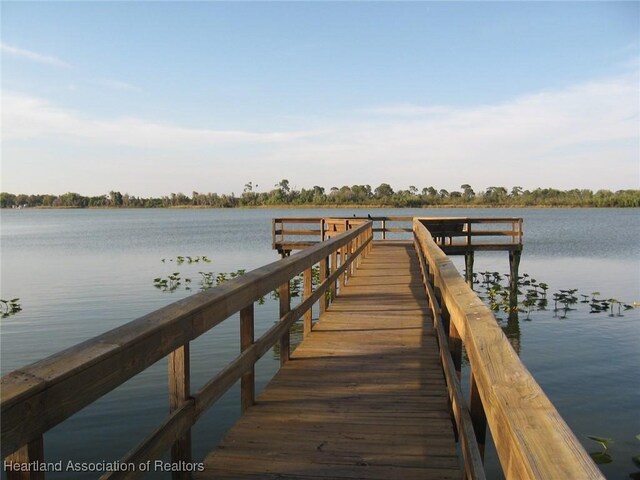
<point>79,273</point>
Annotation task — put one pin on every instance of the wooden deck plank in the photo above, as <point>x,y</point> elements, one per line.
<point>363,397</point>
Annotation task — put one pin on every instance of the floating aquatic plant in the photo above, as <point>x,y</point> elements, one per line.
<point>180,259</point>
<point>603,456</point>
<point>501,297</point>
<point>169,283</point>
<point>9,307</point>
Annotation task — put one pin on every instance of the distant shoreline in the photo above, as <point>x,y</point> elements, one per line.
<point>315,207</point>
<point>356,196</point>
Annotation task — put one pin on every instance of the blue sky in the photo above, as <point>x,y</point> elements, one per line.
<point>157,97</point>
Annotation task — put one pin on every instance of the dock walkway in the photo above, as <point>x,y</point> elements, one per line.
<point>363,396</point>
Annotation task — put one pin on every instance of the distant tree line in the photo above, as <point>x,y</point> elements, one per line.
<point>382,196</point>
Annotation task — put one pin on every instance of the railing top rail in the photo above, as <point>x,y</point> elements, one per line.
<point>46,391</point>
<point>403,219</point>
<point>472,219</point>
<point>357,217</point>
<point>531,438</point>
<point>297,219</point>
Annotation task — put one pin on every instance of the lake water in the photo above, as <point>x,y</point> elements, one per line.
<point>79,273</point>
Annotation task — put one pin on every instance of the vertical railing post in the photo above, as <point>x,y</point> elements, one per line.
<point>478,417</point>
<point>31,452</point>
<point>514,264</point>
<point>444,313</point>
<point>334,266</point>
<point>343,261</point>
<point>273,233</point>
<point>324,300</point>
<point>352,249</point>
<point>520,231</point>
<point>285,307</point>
<point>247,382</point>
<point>455,345</point>
<point>384,229</point>
<point>468,257</point>
<point>307,293</point>
<point>179,392</point>
<point>468,267</point>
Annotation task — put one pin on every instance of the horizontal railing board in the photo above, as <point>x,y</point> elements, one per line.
<point>298,232</point>
<point>461,248</point>
<point>297,242</point>
<point>392,229</point>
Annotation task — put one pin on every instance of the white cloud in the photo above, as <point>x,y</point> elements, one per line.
<point>33,56</point>
<point>26,117</point>
<point>584,136</point>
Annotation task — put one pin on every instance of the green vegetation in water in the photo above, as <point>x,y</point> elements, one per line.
<point>9,307</point>
<point>174,281</point>
<point>531,296</point>
<point>604,456</point>
<point>180,259</point>
<point>171,282</point>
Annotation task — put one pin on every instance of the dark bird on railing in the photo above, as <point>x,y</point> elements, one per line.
<point>369,216</point>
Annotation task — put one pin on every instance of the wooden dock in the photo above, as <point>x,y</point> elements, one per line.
<point>453,235</point>
<point>363,396</point>
<point>373,391</point>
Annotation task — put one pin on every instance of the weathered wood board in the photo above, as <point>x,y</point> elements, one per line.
<point>362,397</point>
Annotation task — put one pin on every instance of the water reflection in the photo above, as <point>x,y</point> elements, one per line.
<point>512,328</point>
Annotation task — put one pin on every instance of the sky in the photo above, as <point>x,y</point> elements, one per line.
<point>151,98</point>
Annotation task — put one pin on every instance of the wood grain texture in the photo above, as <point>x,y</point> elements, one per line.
<point>179,393</point>
<point>285,307</point>
<point>32,452</point>
<point>362,397</point>
<point>307,287</point>
<point>247,383</point>
<point>531,438</point>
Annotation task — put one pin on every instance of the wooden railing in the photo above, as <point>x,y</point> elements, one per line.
<point>454,233</point>
<point>532,440</point>
<point>445,230</point>
<point>285,230</point>
<point>37,397</point>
